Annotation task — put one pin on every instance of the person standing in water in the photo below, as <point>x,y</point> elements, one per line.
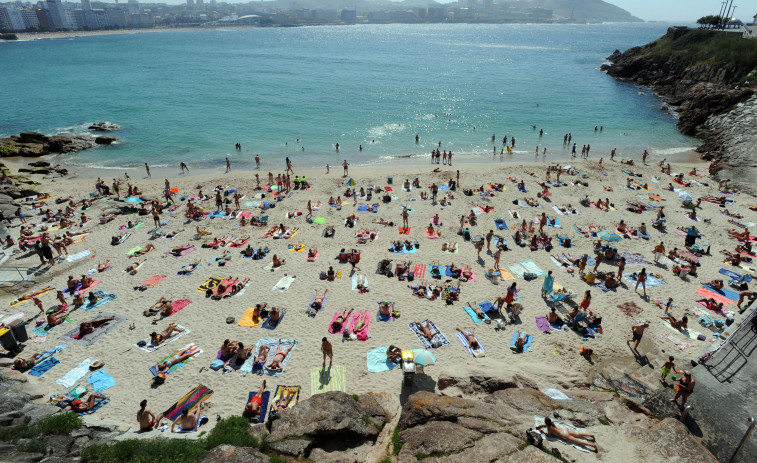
<point>257,161</point>
<point>183,167</point>
<point>228,165</point>
<point>147,168</point>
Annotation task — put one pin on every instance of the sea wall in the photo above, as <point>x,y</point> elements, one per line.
<point>708,78</point>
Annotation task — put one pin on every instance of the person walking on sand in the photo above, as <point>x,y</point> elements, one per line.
<point>637,332</point>
<point>548,285</point>
<point>228,165</point>
<point>642,279</point>
<point>289,166</point>
<point>183,167</point>
<point>147,168</point>
<point>257,161</point>
<point>345,164</point>
<point>327,350</point>
<point>145,417</point>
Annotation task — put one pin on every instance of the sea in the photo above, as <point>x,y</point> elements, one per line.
<point>191,95</point>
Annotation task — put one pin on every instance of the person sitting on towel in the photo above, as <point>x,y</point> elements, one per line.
<point>394,354</point>
<point>274,317</point>
<point>188,420</point>
<point>554,318</point>
<point>253,407</point>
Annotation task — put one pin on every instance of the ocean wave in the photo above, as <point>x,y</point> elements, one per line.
<point>384,130</point>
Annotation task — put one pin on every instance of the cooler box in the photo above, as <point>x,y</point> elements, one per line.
<point>7,340</point>
<point>18,328</point>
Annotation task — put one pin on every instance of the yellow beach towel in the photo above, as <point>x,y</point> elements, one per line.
<point>247,320</point>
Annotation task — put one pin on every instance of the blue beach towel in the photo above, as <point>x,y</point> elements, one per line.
<point>735,276</point>
<point>473,315</point>
<point>43,367</point>
<point>725,292</point>
<point>526,345</point>
<point>263,405</point>
<point>377,361</point>
<point>501,224</point>
<point>101,381</point>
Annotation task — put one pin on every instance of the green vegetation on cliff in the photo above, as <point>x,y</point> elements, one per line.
<point>689,47</point>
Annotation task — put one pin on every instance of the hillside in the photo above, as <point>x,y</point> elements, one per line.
<point>587,10</point>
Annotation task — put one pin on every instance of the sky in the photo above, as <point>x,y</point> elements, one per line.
<point>682,10</point>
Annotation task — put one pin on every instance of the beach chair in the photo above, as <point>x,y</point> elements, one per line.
<point>493,275</point>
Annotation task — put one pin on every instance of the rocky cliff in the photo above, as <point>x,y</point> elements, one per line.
<point>35,144</point>
<point>700,74</point>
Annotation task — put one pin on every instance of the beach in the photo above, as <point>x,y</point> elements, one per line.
<point>551,361</point>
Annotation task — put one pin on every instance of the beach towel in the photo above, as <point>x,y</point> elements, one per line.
<point>480,352</point>
<point>101,380</point>
<point>179,304</point>
<point>328,379</point>
<point>99,403</point>
<point>735,275</point>
<point>526,343</point>
<point>634,258</point>
<point>651,282</point>
<point>377,360</point>
<point>404,231</point>
<point>680,343</point>
<point>73,335</point>
<point>44,329</point>
<point>70,378</point>
<point>216,214</point>
<point>385,318</point>
<point>517,270</point>
<point>78,255</point>
<point>432,236</point>
<point>725,292</point>
<point>404,250</point>
<point>152,281</point>
<point>713,295</point>
<point>150,347</point>
<point>523,203</point>
<point>195,349</point>
<point>272,343</point>
<point>43,367</point>
<point>263,404</point>
<point>284,283</point>
<point>345,324</point>
<point>212,283</point>
<point>501,224</point>
<point>312,259</point>
<point>539,420</point>
<point>319,220</point>
<point>247,319</point>
<point>419,270</point>
<point>190,400</point>
<point>543,324</point>
<point>630,309</point>
<point>268,326</point>
<point>531,267</point>
<point>437,337</point>
<point>474,316</point>
<point>182,254</point>
<point>354,282</point>
<point>687,333</point>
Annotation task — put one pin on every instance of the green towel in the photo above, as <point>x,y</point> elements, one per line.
<point>319,220</point>
<point>138,248</point>
<point>328,379</point>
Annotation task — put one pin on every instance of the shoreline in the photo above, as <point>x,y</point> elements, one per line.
<point>30,36</point>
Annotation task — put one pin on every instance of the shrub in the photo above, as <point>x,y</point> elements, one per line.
<point>59,424</point>
<point>36,445</point>
<point>146,451</point>
<point>232,431</point>
<point>13,434</point>
<point>396,441</point>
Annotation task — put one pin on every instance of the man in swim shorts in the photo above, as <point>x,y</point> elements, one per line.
<point>637,332</point>
<point>253,407</point>
<point>145,417</point>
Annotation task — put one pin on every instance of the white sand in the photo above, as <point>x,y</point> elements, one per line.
<point>553,362</point>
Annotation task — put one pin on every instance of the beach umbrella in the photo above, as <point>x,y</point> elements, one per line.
<point>350,182</point>
<point>174,190</point>
<point>424,357</point>
<point>609,236</point>
<point>132,200</point>
<point>685,196</point>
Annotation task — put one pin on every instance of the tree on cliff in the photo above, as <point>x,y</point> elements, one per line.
<point>710,21</point>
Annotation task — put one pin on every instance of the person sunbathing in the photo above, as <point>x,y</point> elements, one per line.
<point>360,323</point>
<point>142,252</point>
<point>253,407</point>
<point>80,406</point>
<point>680,325</point>
<point>741,236</point>
<point>116,240</point>
<point>385,309</point>
<point>731,214</point>
<point>248,251</point>
<point>716,284</point>
<point>402,269</point>
<point>164,306</point>
<point>89,327</point>
<point>312,253</point>
<point>338,322</point>
<point>394,354</point>
<point>426,330</point>
<point>554,318</point>
<point>33,294</point>
<point>470,336</point>
<point>711,304</point>
<point>203,232</point>
<point>734,258</point>
<point>745,248</point>
<point>55,318</point>
<point>278,358</point>
<point>23,365</point>
<point>361,285</point>
<point>190,268</point>
<point>466,274</point>
<point>173,233</point>
<point>258,362</point>
<point>751,295</point>
<point>455,271</point>
<point>567,435</point>
<point>329,231</point>
<point>286,398</point>
<point>178,250</point>
<point>238,286</point>
<point>157,339</point>
<point>520,343</point>
<point>419,290</point>
<point>317,303</point>
<point>132,268</point>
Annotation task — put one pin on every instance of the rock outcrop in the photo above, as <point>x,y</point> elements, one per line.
<point>35,144</point>
<point>104,126</point>
<point>703,81</point>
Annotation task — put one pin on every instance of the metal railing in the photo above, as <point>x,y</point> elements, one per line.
<point>747,322</point>
<point>743,440</point>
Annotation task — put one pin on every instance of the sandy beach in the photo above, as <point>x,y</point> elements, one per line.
<point>552,360</point>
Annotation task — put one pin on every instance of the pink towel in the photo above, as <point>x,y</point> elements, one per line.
<point>419,270</point>
<point>718,298</point>
<point>245,214</point>
<point>89,288</point>
<point>180,304</point>
<point>366,330</point>
<point>312,259</point>
<point>153,280</point>
<point>183,253</point>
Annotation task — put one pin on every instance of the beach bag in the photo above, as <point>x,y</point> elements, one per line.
<point>362,336</point>
<point>534,438</point>
<point>410,276</point>
<point>701,337</point>
<point>216,365</point>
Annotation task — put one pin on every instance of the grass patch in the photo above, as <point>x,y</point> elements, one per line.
<point>276,459</point>
<point>232,431</point>
<point>604,422</point>
<point>356,397</point>
<point>421,456</point>
<point>386,460</point>
<point>13,434</point>
<point>36,445</point>
<point>396,441</point>
<point>524,445</point>
<point>59,424</point>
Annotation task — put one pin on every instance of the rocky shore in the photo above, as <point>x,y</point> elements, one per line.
<point>707,83</point>
<point>35,144</point>
<point>477,415</point>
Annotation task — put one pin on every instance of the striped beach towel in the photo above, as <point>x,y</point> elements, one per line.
<point>464,342</point>
<point>190,400</point>
<point>328,379</point>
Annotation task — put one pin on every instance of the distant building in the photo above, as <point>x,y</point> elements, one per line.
<point>348,16</point>
<point>200,6</point>
<point>11,19</point>
<point>31,21</point>
<point>57,16</point>
<point>85,5</point>
<point>436,13</point>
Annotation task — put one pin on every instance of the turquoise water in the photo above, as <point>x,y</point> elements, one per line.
<point>191,95</point>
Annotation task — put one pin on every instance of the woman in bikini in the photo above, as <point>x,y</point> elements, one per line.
<point>89,327</point>
<point>157,339</point>
<point>258,362</point>
<point>337,324</point>
<point>133,268</point>
<point>317,303</point>
<point>285,400</point>
<point>79,406</point>
<point>680,325</point>
<point>426,330</point>
<point>567,435</point>
<point>162,368</point>
<point>243,353</point>
<point>360,323</point>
